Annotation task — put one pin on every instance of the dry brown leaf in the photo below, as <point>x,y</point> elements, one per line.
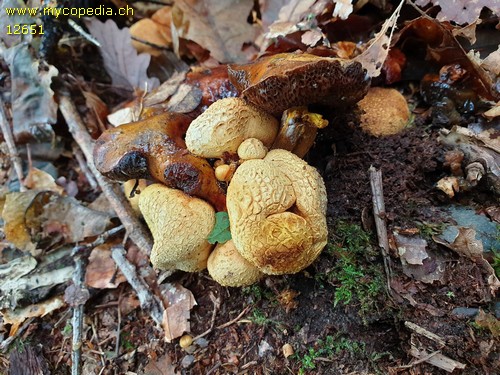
<point>295,10</point>
<point>461,11</point>
<point>37,179</point>
<point>492,62</point>
<point>374,56</point>
<point>101,271</point>
<point>186,99</point>
<point>488,321</point>
<point>13,214</point>
<point>122,62</point>
<point>33,104</point>
<point>176,315</point>
<point>269,10</point>
<point>18,316</point>
<point>466,244</point>
<point>162,366</point>
<point>221,27</point>
<point>412,250</point>
<point>51,214</point>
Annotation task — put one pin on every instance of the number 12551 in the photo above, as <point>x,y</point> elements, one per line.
<point>24,29</point>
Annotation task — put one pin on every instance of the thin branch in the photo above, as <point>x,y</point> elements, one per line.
<point>379,214</point>
<point>135,229</point>
<point>83,166</point>
<point>147,300</point>
<point>11,145</point>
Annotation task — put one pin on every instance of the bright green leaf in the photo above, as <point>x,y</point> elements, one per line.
<point>221,232</point>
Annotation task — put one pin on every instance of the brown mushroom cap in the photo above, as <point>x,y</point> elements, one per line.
<point>385,111</point>
<point>180,225</point>
<point>227,123</point>
<point>229,268</point>
<point>154,149</point>
<point>285,80</point>
<point>277,212</point>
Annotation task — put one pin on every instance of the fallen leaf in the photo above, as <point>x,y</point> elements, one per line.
<point>488,321</point>
<point>269,10</point>
<point>10,20</point>
<point>18,316</point>
<point>162,366</point>
<point>33,104</point>
<point>343,8</point>
<point>186,99</point>
<point>467,245</point>
<point>122,62</point>
<point>101,271</point>
<point>295,10</point>
<point>13,214</point>
<point>221,27</point>
<point>36,179</point>
<point>51,214</point>
<point>461,11</point>
<point>374,56</point>
<point>180,301</point>
<point>412,250</point>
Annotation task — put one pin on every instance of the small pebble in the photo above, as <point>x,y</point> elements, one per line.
<point>464,312</point>
<point>263,348</point>
<point>497,310</point>
<point>201,342</point>
<point>187,361</point>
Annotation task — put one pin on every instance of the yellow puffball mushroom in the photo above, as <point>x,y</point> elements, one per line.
<point>277,212</point>
<point>252,148</point>
<point>384,112</point>
<point>227,123</point>
<point>229,268</point>
<point>180,225</point>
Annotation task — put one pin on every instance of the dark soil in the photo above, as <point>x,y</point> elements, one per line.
<point>327,338</point>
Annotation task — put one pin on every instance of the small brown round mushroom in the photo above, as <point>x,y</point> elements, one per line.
<point>278,82</point>
<point>180,225</point>
<point>227,123</point>
<point>385,112</point>
<point>277,212</point>
<point>229,268</point>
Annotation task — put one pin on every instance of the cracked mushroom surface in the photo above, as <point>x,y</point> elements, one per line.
<point>226,124</point>
<point>180,225</point>
<point>277,212</point>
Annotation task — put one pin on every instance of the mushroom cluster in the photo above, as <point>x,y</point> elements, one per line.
<point>275,201</point>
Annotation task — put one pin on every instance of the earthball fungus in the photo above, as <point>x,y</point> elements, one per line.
<point>277,212</point>
<point>229,268</point>
<point>227,123</point>
<point>384,112</point>
<point>180,225</point>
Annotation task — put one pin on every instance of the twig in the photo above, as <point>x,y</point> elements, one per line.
<point>80,259</point>
<point>379,214</point>
<point>4,346</point>
<point>425,333</point>
<point>147,300</point>
<point>216,303</point>
<point>83,166</point>
<point>227,324</point>
<point>80,255</point>
<point>135,229</point>
<point>419,361</point>
<point>11,145</point>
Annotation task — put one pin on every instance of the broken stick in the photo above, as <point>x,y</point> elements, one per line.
<point>135,229</point>
<point>379,214</point>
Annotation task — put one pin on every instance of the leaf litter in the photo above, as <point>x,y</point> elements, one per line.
<point>42,225</point>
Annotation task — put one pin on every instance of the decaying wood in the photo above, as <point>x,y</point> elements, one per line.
<point>422,331</point>
<point>11,145</point>
<point>438,360</point>
<point>379,214</point>
<point>149,302</point>
<point>26,361</point>
<point>135,229</point>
